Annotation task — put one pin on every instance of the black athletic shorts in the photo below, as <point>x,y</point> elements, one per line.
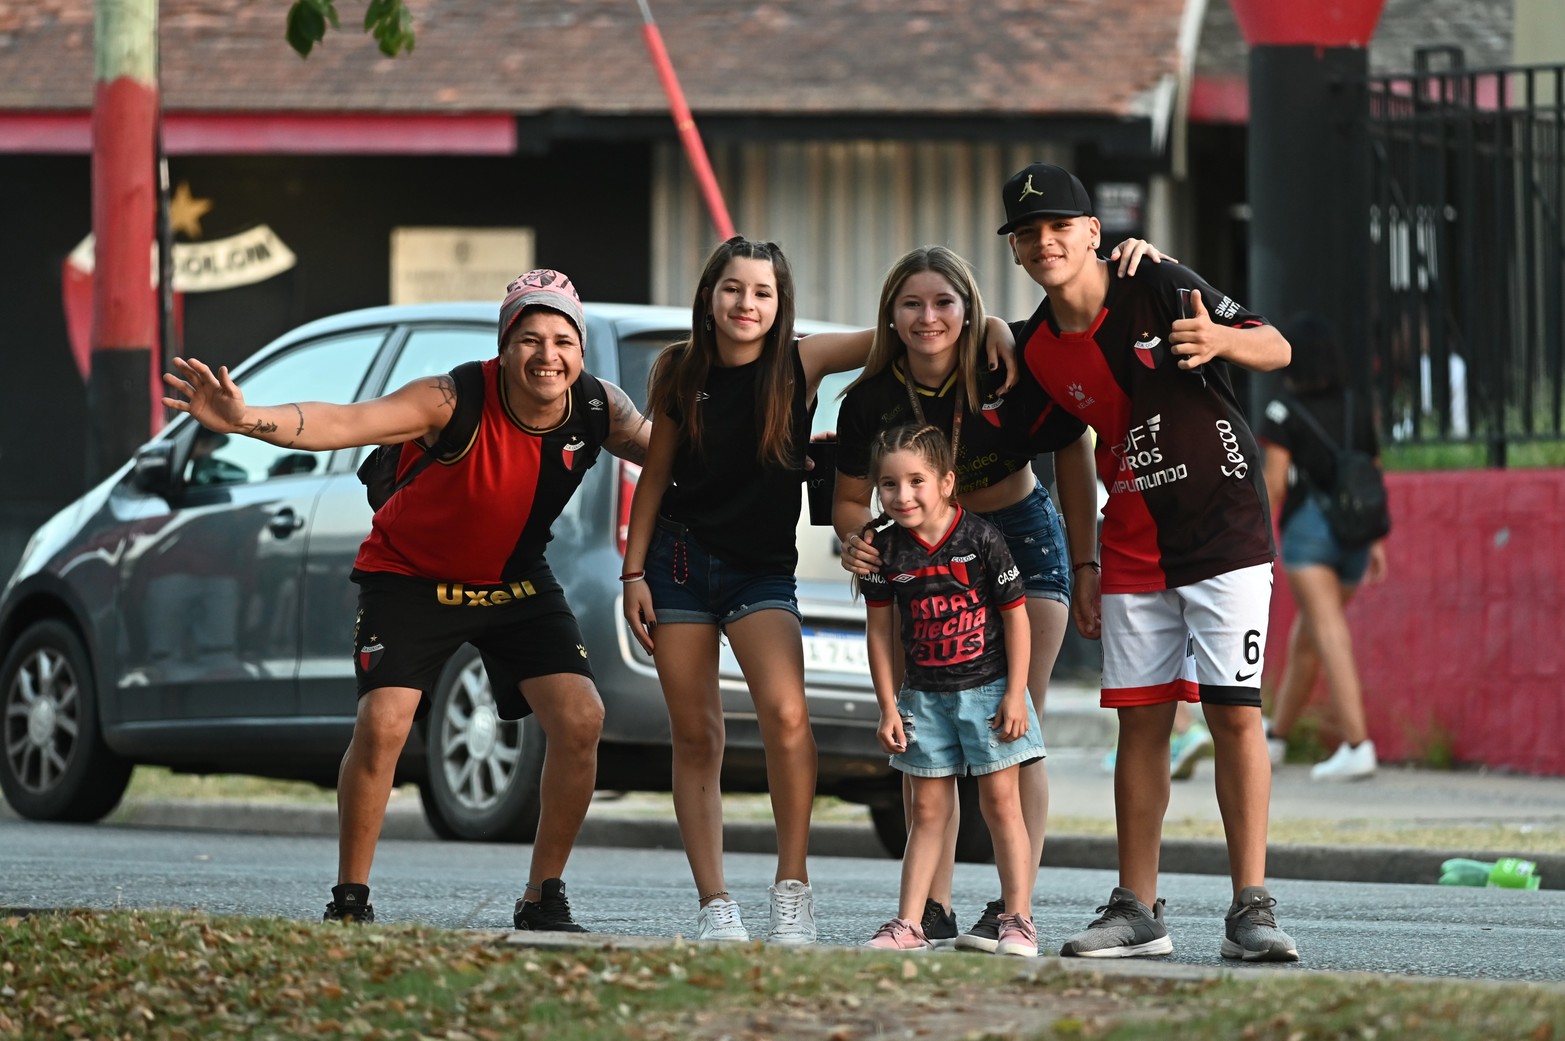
<point>408,628</point>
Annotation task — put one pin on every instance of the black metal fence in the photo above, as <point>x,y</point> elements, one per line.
<point>1467,227</point>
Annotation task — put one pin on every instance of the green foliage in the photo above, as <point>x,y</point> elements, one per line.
<point>389,21</point>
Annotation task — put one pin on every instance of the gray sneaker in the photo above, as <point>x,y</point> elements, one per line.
<point>1125,928</point>
<point>1250,930</point>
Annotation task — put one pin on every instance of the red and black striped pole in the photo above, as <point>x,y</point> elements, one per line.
<point>124,302</point>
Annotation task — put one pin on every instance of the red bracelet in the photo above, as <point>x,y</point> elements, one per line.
<point>1093,564</point>
<point>631,576</point>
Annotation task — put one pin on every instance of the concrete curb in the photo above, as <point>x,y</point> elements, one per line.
<point>1365,864</point>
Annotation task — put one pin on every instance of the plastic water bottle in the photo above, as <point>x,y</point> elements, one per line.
<point>1515,873</point>
<point>1505,873</point>
<point>1463,872</point>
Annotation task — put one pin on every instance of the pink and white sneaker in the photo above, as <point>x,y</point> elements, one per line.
<point>1017,936</point>
<point>899,934</point>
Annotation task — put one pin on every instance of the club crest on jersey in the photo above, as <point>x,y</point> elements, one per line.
<point>370,656</point>
<point>1144,348</point>
<point>568,452</point>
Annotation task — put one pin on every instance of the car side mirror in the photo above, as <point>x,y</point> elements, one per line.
<point>153,469</point>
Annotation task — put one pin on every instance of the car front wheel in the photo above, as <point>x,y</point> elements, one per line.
<point>483,771</point>
<point>54,764</point>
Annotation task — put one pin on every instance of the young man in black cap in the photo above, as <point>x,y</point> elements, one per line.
<point>477,520</point>
<point>1184,589</point>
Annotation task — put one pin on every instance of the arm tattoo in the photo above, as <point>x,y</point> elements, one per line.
<point>299,431</point>
<point>625,426</point>
<point>447,388</point>
<point>627,448</point>
<point>260,427</point>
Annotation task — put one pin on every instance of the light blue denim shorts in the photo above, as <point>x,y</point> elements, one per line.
<point>1036,538</point>
<point>948,733</point>
<point>688,584</point>
<point>1307,540</point>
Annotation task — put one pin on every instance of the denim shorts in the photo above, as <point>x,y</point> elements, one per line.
<point>948,733</point>
<point>690,585</point>
<point>1036,539</point>
<point>1307,540</point>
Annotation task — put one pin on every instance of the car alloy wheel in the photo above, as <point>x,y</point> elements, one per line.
<point>55,765</point>
<point>482,771</point>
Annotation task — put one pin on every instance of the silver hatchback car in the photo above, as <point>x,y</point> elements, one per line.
<point>194,610</point>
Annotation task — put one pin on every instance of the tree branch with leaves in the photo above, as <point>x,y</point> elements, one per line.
<point>389,21</point>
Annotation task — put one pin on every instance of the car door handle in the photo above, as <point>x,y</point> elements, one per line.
<point>285,522</point>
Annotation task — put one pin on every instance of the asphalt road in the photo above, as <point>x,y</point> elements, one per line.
<point>1421,930</point>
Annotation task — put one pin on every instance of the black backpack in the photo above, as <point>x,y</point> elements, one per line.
<point>1355,505</point>
<point>378,472</point>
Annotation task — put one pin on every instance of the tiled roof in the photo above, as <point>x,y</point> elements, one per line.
<point>1102,58</point>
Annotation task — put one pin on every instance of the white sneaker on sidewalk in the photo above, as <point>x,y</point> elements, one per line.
<point>1347,763</point>
<point>793,913</point>
<point>719,920</point>
<point>1276,747</point>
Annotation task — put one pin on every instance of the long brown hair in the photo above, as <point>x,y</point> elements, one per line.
<point>887,346</point>
<point>680,372</point>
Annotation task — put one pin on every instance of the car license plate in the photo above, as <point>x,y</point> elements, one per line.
<point>835,650</point>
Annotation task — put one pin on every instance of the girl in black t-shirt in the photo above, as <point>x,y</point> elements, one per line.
<point>711,551</point>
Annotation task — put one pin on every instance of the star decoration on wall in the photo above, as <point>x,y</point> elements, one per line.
<point>185,211</point>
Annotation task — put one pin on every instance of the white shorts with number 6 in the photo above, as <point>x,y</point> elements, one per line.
<point>1203,642</point>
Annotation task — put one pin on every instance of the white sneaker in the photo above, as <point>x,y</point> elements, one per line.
<point>1276,747</point>
<point>719,920</point>
<point>793,913</point>
<point>1347,763</point>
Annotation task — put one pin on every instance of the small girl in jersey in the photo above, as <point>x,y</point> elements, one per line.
<point>711,551</point>
<point>963,707</point>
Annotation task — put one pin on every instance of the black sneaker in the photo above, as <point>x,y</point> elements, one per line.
<point>1250,929</point>
<point>350,903</point>
<point>985,933</point>
<point>1125,928</point>
<point>939,924</point>
<point>550,913</point>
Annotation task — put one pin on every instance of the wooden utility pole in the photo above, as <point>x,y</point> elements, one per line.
<point>124,303</point>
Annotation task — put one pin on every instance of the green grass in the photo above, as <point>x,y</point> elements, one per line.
<point>1470,455</point>
<point>148,784</point>
<point>180,975</point>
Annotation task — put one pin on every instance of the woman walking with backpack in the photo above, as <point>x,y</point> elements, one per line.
<point>1323,570</point>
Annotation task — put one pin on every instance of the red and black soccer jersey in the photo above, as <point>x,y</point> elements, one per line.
<point>484,516</point>
<point>1187,499</point>
<point>950,596</point>
<point>1001,439</point>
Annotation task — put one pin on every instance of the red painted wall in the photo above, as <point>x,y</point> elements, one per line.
<point>1467,634</point>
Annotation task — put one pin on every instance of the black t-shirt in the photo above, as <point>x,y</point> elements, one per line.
<point>1314,461</point>
<point>1000,439</point>
<point>1187,499</point>
<point>950,596</point>
<point>743,511</point>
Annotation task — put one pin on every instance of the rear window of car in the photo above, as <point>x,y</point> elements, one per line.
<point>637,353</point>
